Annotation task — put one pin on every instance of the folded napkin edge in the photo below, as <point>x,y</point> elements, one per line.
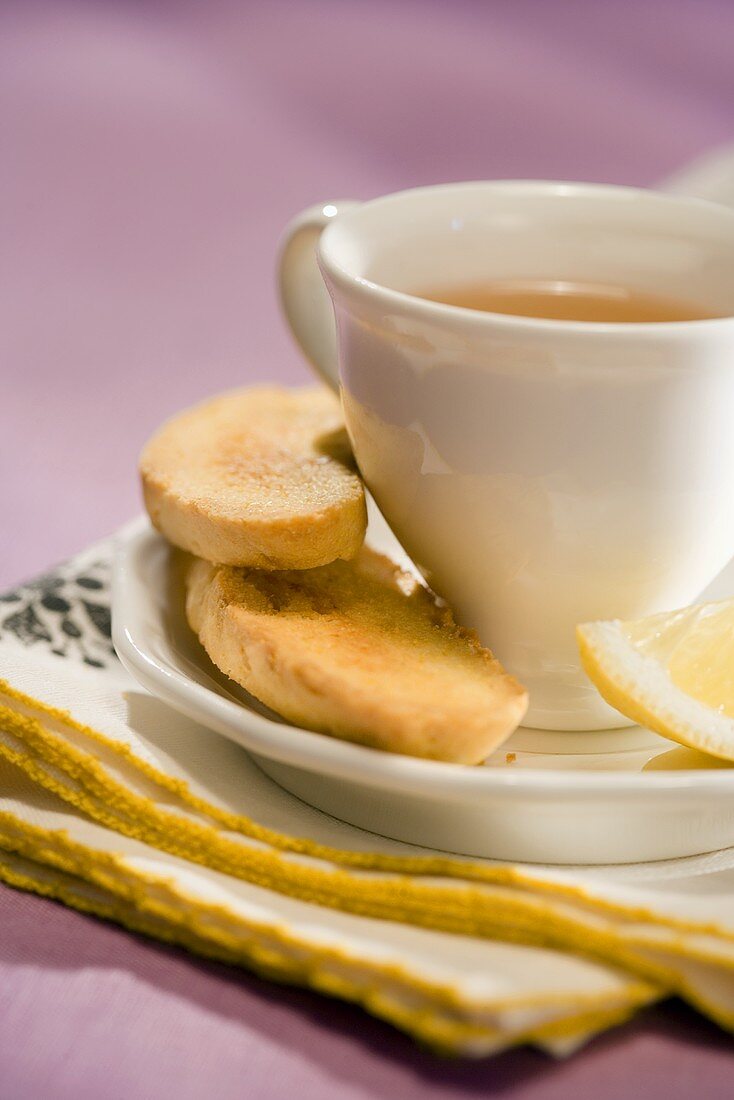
<point>442,866</point>
<point>442,1033</point>
<point>599,944</point>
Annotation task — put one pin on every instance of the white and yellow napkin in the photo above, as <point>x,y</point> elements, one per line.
<point>116,805</point>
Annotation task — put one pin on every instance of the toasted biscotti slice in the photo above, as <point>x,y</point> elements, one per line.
<point>359,650</point>
<point>260,477</point>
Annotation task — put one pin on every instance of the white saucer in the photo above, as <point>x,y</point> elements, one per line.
<point>620,796</point>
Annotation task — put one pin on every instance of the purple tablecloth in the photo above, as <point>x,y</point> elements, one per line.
<point>151,154</point>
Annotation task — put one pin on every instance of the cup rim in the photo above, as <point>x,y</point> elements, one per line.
<point>338,273</point>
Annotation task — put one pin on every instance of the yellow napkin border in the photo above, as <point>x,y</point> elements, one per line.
<point>493,902</point>
<point>153,907</point>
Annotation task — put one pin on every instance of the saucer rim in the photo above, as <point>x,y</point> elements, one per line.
<point>137,617</point>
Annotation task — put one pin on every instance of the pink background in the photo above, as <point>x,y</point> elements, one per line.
<point>151,154</point>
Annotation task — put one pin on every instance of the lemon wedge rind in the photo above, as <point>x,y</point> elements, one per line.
<point>639,686</point>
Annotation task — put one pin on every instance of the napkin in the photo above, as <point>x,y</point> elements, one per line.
<point>113,803</point>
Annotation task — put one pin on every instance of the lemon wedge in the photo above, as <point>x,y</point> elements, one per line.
<point>673,673</point>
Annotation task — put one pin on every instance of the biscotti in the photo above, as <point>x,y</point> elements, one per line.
<point>261,477</point>
<point>359,650</point>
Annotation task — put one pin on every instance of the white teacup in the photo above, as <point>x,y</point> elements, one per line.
<point>542,473</point>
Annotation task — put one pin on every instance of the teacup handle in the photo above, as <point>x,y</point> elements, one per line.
<point>303,294</point>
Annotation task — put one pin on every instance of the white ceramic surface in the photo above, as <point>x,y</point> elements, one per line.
<point>621,796</point>
<point>542,473</point>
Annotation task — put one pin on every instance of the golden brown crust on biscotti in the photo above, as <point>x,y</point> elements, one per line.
<point>261,477</point>
<point>358,650</point>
